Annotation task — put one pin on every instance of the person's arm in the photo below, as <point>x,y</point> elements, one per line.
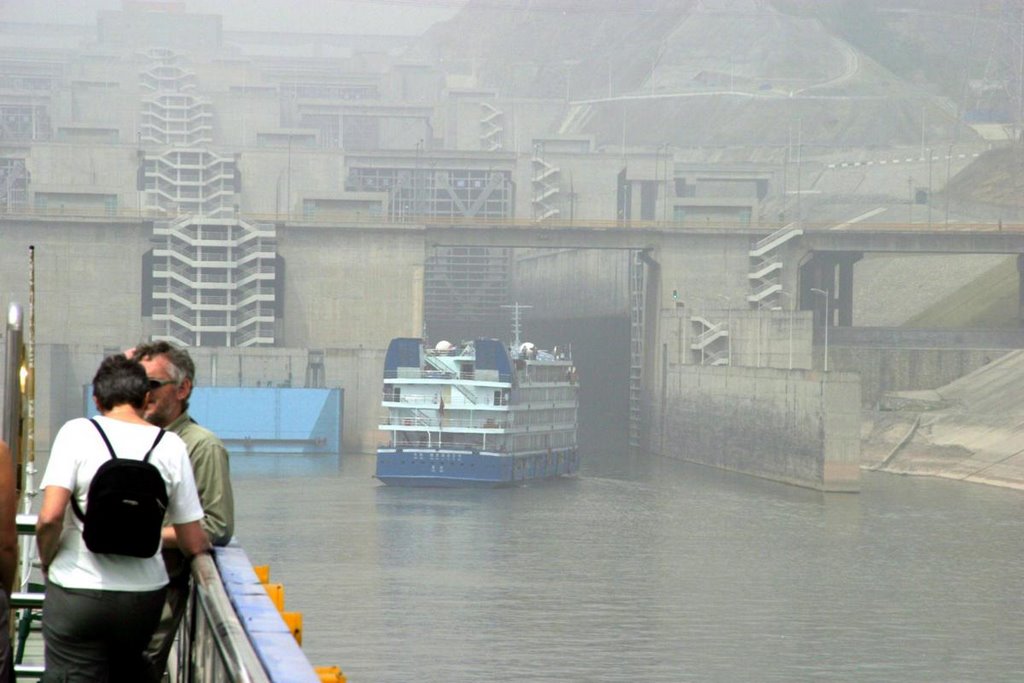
<point>50,523</point>
<point>8,512</point>
<point>191,539</point>
<point>168,537</point>
<point>213,482</point>
<point>183,504</point>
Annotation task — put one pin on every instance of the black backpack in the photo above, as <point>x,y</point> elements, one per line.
<point>126,503</point>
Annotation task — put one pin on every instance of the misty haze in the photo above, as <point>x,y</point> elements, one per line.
<point>745,261</point>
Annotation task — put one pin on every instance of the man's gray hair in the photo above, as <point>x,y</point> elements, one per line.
<point>181,363</point>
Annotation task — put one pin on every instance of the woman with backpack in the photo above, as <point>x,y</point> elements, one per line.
<point>105,578</point>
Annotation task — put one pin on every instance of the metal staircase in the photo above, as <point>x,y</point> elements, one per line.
<point>765,275</point>
<point>214,281</point>
<point>491,129</point>
<point>189,181</point>
<point>545,188</point>
<point>173,114</point>
<point>441,367</point>
<point>711,344</point>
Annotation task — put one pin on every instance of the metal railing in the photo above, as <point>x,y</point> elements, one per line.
<point>413,373</point>
<point>436,422</point>
<point>212,642</point>
<point>360,218</point>
<point>225,637</point>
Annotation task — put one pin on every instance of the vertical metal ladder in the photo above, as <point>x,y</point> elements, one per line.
<point>637,296</point>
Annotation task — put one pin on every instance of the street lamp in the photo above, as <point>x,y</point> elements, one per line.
<point>949,156</point>
<point>799,158</point>
<point>668,186</point>
<point>929,188</point>
<point>825,293</point>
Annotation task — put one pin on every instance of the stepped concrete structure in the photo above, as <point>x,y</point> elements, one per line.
<point>305,200</point>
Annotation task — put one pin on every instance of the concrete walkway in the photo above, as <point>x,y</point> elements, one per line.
<point>970,430</point>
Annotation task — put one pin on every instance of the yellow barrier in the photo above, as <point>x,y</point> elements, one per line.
<point>276,593</point>
<point>262,572</point>
<point>330,674</point>
<point>293,620</point>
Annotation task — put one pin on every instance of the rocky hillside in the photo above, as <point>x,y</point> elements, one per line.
<point>733,72</point>
<point>996,178</point>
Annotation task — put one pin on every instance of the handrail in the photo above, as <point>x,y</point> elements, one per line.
<point>436,422</point>
<point>221,649</point>
<point>265,632</point>
<point>785,230</point>
<point>213,643</point>
<point>414,373</point>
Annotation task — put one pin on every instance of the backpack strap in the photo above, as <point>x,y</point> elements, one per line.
<point>104,435</point>
<point>74,501</point>
<point>159,436</point>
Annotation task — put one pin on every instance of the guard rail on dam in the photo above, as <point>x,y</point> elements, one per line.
<point>359,218</point>
<point>934,338</point>
<point>362,220</point>
<point>232,631</point>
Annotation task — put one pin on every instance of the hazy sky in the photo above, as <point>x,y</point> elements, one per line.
<point>328,16</point>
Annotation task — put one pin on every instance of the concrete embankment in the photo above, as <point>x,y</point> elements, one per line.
<point>971,429</point>
<point>800,427</point>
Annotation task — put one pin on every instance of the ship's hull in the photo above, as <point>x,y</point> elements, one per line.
<point>449,468</point>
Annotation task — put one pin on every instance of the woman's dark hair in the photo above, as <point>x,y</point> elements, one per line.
<point>120,380</point>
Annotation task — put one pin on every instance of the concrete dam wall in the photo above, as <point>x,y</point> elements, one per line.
<point>799,427</point>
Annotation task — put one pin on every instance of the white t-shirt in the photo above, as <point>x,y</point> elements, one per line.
<point>77,452</point>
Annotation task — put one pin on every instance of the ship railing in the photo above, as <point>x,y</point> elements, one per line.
<point>435,422</point>
<point>465,353</point>
<point>392,396</point>
<point>398,397</point>
<point>412,373</point>
<point>447,445</point>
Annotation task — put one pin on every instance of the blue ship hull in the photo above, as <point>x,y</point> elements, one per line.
<point>433,467</point>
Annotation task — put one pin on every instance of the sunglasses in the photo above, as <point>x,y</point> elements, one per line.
<point>155,384</point>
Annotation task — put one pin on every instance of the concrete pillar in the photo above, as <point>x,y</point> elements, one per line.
<point>844,291</point>
<point>832,273</point>
<point>818,273</point>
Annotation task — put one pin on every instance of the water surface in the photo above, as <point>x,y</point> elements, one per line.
<point>641,569</point>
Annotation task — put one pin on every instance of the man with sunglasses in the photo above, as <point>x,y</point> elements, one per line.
<point>171,375</point>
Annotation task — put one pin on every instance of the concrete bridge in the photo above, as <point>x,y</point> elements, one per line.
<point>801,259</point>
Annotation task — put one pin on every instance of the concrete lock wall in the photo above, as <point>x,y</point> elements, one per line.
<point>884,370</point>
<point>799,427</point>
